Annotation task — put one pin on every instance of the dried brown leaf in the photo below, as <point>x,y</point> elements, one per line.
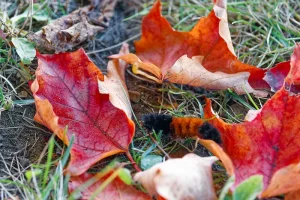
<point>71,30</point>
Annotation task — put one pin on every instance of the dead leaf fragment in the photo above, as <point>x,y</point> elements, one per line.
<point>71,30</point>
<point>181,178</point>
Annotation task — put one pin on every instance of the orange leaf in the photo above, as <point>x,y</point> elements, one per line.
<point>292,195</point>
<point>161,46</point>
<point>137,63</point>
<point>284,180</point>
<point>116,190</point>
<point>269,142</point>
<point>218,151</point>
<point>66,94</point>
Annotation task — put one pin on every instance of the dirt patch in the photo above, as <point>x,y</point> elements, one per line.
<point>110,40</point>
<point>21,140</point>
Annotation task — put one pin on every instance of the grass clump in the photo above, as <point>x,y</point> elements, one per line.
<point>39,181</point>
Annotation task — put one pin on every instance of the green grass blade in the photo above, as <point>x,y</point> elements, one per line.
<point>48,163</point>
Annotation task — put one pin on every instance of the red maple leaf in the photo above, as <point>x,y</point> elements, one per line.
<point>269,143</point>
<point>66,94</point>
<point>276,77</point>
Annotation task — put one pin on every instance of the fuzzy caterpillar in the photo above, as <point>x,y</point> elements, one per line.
<point>181,127</point>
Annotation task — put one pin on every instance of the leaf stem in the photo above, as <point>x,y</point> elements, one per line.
<point>136,167</point>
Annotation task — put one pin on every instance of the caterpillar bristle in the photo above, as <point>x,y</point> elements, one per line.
<point>184,127</point>
<point>157,122</point>
<point>209,132</point>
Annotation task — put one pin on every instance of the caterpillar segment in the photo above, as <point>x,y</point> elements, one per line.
<point>182,127</point>
<point>157,122</point>
<point>185,126</point>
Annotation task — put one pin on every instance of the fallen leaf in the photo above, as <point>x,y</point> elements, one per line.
<point>219,152</point>
<point>72,30</point>
<point>161,46</point>
<point>66,93</point>
<point>114,83</point>
<point>25,49</point>
<point>188,71</point>
<point>116,190</point>
<point>284,181</point>
<point>275,78</point>
<point>269,142</point>
<point>249,189</point>
<point>35,11</point>
<point>137,64</point>
<point>189,177</point>
<point>292,195</point>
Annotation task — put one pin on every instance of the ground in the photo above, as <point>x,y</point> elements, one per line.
<point>263,33</point>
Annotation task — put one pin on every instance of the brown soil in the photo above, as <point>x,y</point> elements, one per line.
<point>21,141</point>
